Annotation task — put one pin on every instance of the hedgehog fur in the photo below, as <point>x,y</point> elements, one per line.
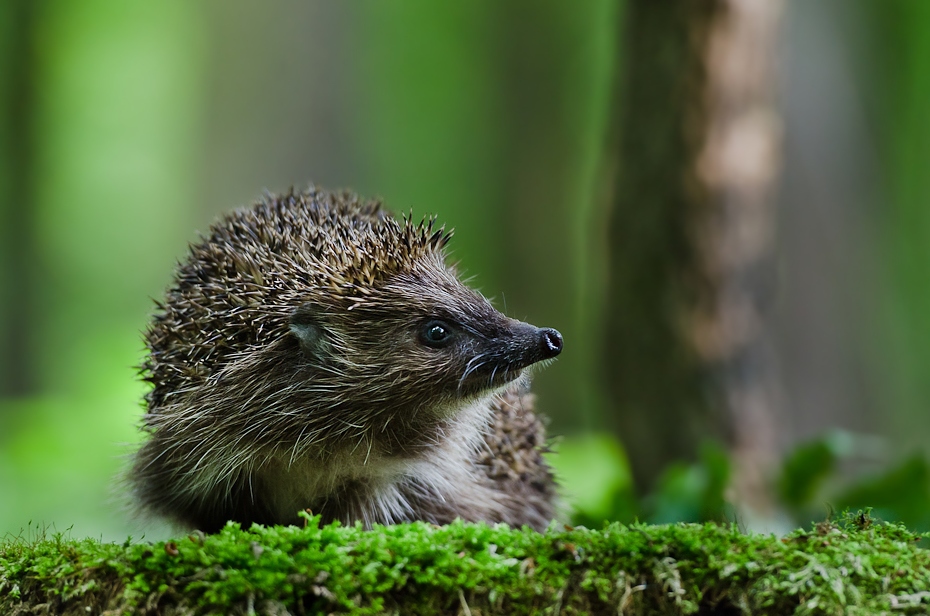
<point>315,353</point>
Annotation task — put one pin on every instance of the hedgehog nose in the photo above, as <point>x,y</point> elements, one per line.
<point>550,342</point>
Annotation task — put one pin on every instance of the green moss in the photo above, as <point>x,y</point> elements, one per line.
<point>854,567</point>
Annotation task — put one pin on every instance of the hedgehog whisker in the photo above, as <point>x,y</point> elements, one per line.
<point>469,369</point>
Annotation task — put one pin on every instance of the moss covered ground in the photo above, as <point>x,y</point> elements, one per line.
<point>855,566</point>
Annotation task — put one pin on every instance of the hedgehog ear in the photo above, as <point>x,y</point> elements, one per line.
<point>307,327</point>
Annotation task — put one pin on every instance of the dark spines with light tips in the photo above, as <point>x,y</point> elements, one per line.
<point>315,352</point>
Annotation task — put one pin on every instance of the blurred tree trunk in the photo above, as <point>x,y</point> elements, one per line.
<point>685,351</point>
<point>17,197</point>
<point>551,70</point>
<point>901,89</point>
<point>537,111</point>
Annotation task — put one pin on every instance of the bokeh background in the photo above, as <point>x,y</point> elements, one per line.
<point>540,131</point>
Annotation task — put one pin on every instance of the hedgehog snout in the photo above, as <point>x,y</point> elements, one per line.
<point>531,344</point>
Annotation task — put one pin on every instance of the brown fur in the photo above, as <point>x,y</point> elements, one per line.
<point>292,369</point>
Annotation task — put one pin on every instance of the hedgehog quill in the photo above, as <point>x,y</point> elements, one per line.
<point>316,353</point>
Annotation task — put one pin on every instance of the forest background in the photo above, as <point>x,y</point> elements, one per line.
<point>568,145</point>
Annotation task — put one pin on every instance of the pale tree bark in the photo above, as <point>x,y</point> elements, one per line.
<point>686,353</point>
<point>739,164</point>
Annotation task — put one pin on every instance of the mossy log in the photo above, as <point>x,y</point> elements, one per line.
<point>853,567</point>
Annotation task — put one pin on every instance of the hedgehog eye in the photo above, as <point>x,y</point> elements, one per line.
<point>436,333</point>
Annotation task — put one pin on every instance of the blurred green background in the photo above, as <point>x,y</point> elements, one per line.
<point>128,127</point>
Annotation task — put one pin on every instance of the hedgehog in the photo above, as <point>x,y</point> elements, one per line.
<point>315,353</point>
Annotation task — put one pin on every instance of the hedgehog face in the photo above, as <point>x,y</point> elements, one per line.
<point>425,342</point>
<point>463,346</point>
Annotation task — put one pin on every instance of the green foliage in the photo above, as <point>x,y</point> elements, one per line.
<point>901,493</point>
<point>692,493</point>
<point>810,482</point>
<point>595,478</point>
<point>858,566</point>
<point>809,485</point>
<point>804,471</point>
<point>597,482</point>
